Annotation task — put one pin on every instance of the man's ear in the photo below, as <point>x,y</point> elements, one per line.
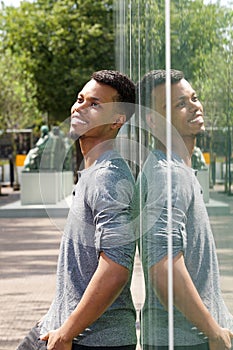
<point>150,119</point>
<point>118,121</point>
<point>155,120</point>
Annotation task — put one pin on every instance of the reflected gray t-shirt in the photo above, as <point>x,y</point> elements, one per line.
<point>191,234</point>
<point>100,219</point>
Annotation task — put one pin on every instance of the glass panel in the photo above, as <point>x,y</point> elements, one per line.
<point>183,169</point>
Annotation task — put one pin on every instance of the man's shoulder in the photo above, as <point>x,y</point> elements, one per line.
<point>154,175</point>
<point>112,165</point>
<point>110,176</point>
<point>157,162</point>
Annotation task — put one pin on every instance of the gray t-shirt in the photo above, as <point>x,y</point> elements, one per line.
<point>99,220</point>
<point>191,234</point>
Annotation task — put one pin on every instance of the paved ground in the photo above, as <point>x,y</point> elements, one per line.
<point>28,263</point>
<point>28,257</point>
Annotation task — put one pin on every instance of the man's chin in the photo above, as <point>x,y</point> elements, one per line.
<point>202,131</point>
<point>74,135</point>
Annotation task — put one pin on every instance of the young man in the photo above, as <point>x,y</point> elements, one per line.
<point>93,307</point>
<point>201,319</point>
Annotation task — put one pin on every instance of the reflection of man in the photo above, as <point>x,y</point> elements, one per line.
<point>201,319</point>
<point>93,307</point>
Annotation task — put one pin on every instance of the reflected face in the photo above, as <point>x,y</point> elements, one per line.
<point>186,109</point>
<point>92,113</point>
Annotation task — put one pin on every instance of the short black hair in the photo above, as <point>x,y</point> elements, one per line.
<point>124,86</point>
<point>152,79</point>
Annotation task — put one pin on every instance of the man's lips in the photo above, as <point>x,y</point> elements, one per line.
<point>197,120</point>
<point>76,119</point>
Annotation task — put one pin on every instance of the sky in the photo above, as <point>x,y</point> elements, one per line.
<point>17,2</point>
<point>12,2</point>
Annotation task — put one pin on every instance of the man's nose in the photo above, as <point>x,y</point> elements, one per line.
<point>80,107</point>
<point>193,106</point>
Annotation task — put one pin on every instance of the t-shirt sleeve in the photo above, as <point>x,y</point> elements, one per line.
<point>155,216</point>
<point>113,215</point>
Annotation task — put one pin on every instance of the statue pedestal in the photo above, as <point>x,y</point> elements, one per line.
<point>45,187</point>
<point>203,178</point>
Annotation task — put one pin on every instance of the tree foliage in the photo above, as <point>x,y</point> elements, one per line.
<point>56,45</point>
<point>197,29</point>
<point>201,37</point>
<point>59,43</point>
<point>18,104</point>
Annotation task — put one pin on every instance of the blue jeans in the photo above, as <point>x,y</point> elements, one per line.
<point>32,341</point>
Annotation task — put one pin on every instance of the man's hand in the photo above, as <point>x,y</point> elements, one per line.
<point>188,301</point>
<point>222,341</point>
<point>39,323</point>
<point>105,286</point>
<point>55,341</point>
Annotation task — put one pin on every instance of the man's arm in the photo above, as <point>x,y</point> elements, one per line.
<point>104,287</point>
<point>188,301</point>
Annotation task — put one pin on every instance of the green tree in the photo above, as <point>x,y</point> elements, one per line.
<point>18,105</point>
<point>216,88</point>
<point>139,36</point>
<point>62,43</point>
<point>196,30</point>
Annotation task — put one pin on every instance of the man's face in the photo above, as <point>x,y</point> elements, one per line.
<point>92,113</point>
<point>186,110</point>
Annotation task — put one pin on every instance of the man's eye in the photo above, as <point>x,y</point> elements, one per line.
<point>95,105</point>
<point>79,100</point>
<point>181,104</point>
<point>195,98</point>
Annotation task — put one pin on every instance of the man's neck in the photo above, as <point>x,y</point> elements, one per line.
<point>183,150</point>
<point>91,151</point>
<point>190,143</point>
